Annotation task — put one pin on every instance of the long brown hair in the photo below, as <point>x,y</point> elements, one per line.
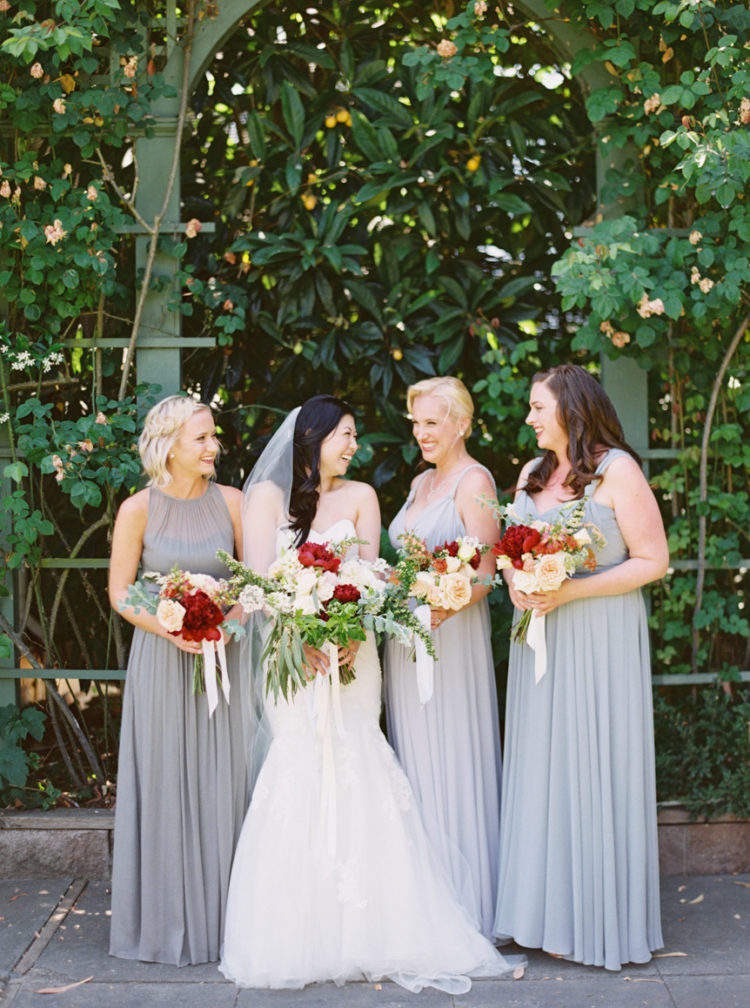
<point>587,415</point>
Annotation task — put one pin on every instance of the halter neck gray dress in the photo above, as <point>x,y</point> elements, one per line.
<point>181,786</point>
<point>579,867</point>
<point>450,747</point>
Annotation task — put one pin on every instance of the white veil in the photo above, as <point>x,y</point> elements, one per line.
<point>265,510</point>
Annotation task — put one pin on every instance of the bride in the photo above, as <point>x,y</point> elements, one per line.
<point>333,876</point>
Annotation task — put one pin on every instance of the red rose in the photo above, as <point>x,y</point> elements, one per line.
<point>475,560</point>
<point>317,555</point>
<point>346,593</point>
<point>513,542</point>
<point>451,548</point>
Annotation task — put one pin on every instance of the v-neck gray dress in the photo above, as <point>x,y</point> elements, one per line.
<point>181,785</point>
<point>450,747</point>
<point>579,867</point>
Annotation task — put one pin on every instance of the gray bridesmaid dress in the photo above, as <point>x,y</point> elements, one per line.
<point>450,747</point>
<point>579,867</point>
<point>181,786</point>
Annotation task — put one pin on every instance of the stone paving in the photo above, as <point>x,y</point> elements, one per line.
<point>54,936</point>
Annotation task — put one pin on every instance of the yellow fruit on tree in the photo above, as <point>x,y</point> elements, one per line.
<point>330,120</point>
<point>474,162</point>
<point>309,200</point>
<point>397,354</point>
<point>342,115</point>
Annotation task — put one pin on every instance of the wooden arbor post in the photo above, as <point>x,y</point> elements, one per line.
<point>159,339</point>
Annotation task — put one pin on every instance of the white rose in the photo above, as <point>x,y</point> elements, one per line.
<point>467,547</point>
<point>170,615</point>
<point>582,537</point>
<point>326,584</point>
<point>453,564</point>
<point>525,581</point>
<point>503,562</point>
<point>304,604</point>
<point>305,581</point>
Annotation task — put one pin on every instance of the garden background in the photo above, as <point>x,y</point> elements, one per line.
<point>350,197</point>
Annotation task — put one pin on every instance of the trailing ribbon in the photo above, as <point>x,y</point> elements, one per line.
<point>327,698</point>
<point>425,662</point>
<point>210,650</point>
<point>536,638</point>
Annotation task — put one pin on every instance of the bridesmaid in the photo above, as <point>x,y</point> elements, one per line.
<point>450,747</point>
<point>181,792</point>
<point>579,871</point>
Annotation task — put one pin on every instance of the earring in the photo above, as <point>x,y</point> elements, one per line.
<point>171,454</point>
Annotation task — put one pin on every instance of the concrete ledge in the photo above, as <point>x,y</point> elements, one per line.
<point>697,848</point>
<point>39,844</point>
<point>78,842</point>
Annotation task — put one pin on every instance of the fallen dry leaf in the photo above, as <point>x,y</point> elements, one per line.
<point>378,986</point>
<point>668,955</point>
<point>518,972</point>
<point>61,990</point>
<point>745,884</point>
<point>14,897</point>
<point>681,888</point>
<point>698,899</point>
<point>642,980</point>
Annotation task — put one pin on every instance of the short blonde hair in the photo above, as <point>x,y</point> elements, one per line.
<point>161,428</point>
<point>451,390</point>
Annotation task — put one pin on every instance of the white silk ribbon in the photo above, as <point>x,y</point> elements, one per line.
<point>425,662</point>
<point>327,700</point>
<point>536,638</point>
<point>210,650</point>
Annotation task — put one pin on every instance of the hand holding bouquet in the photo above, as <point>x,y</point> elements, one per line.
<point>190,606</point>
<point>543,555</point>
<point>443,577</point>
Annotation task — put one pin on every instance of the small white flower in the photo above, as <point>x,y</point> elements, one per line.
<point>251,598</point>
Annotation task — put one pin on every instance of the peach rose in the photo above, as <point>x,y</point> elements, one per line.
<point>456,590</point>
<point>422,585</point>
<point>170,615</point>
<point>551,571</point>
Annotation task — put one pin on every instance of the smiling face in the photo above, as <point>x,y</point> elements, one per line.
<point>195,450</point>
<point>337,448</point>
<point>437,432</point>
<point>542,416</point>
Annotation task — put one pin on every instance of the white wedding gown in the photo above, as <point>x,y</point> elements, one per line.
<point>334,878</point>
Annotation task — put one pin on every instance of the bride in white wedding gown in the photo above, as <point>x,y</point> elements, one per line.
<point>334,878</point>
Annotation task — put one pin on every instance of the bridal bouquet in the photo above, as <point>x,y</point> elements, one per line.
<point>317,597</point>
<point>191,606</point>
<point>543,555</point>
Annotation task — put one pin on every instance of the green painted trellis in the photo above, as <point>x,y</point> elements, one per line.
<point>158,338</point>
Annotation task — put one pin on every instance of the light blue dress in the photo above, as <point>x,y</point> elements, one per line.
<point>450,747</point>
<point>579,867</point>
<point>181,784</point>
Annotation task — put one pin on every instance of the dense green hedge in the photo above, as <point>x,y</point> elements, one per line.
<point>394,190</point>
